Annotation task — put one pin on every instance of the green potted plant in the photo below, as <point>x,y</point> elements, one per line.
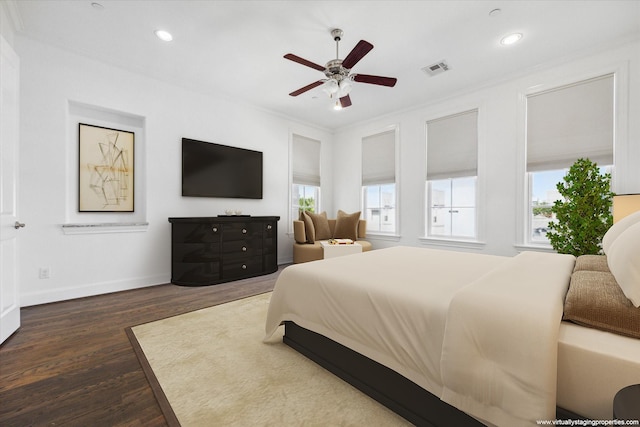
<point>584,214</point>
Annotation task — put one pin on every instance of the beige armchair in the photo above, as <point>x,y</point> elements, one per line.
<point>303,251</point>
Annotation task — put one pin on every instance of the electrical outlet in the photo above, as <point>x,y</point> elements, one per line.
<point>44,273</point>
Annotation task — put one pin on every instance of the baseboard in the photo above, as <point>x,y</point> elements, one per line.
<point>61,294</point>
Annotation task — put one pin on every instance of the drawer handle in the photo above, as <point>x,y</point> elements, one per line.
<point>215,229</point>
<point>244,231</point>
<point>269,227</point>
<point>244,266</point>
<point>244,249</point>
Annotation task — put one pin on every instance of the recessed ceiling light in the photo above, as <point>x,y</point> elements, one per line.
<point>511,39</point>
<point>164,35</point>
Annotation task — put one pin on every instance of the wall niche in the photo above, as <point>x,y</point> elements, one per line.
<point>107,221</point>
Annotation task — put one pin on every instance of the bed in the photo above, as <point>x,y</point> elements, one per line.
<point>445,337</point>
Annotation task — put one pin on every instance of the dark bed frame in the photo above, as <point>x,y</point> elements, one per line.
<point>383,384</point>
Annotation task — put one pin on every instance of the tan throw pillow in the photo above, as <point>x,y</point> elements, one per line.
<point>346,225</point>
<point>321,225</point>
<point>592,263</point>
<point>595,300</point>
<point>309,229</point>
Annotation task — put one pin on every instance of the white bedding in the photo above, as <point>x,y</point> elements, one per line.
<point>395,315</point>
<point>397,305</point>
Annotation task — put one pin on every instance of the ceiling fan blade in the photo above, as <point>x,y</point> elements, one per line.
<point>345,101</point>
<point>294,58</point>
<point>362,48</point>
<point>375,80</point>
<point>306,88</point>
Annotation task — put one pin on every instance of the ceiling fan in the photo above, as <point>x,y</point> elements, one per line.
<point>338,72</point>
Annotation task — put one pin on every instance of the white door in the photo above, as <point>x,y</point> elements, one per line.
<point>9,225</point>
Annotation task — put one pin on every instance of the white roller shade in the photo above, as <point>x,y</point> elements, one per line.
<point>452,146</point>
<point>379,158</point>
<point>571,122</point>
<point>306,161</point>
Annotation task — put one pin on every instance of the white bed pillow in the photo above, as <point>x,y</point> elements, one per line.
<point>624,262</point>
<point>616,229</point>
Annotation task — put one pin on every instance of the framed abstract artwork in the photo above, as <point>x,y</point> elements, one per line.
<point>106,169</point>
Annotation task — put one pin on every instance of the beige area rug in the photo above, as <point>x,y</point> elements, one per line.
<point>214,369</point>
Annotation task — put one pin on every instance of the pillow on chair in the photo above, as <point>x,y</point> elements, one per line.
<point>347,225</point>
<point>309,229</point>
<point>321,226</point>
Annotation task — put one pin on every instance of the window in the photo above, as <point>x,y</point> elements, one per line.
<point>543,193</point>
<point>563,125</point>
<point>305,188</point>
<point>452,146</point>
<point>379,182</point>
<point>380,207</point>
<point>453,207</point>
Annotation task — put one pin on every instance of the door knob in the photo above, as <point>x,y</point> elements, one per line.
<point>18,225</point>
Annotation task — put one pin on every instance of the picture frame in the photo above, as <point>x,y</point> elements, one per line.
<point>106,174</point>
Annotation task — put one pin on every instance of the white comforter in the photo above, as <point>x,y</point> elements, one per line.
<point>479,331</point>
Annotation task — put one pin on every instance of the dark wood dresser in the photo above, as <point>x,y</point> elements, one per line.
<point>211,250</point>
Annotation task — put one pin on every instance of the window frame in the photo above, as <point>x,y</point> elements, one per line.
<point>395,128</point>
<point>476,243</point>
<point>292,182</point>
<point>621,166</point>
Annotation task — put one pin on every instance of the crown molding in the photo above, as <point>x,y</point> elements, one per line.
<point>11,6</point>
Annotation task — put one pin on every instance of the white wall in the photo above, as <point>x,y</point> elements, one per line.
<point>501,148</point>
<point>87,264</point>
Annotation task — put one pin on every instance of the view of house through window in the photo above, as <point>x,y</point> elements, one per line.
<point>452,207</point>
<point>380,207</point>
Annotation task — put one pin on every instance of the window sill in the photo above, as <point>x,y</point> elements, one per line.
<point>98,228</point>
<point>533,247</point>
<point>453,243</point>
<point>380,236</point>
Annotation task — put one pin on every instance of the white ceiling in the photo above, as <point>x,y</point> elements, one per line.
<point>236,47</point>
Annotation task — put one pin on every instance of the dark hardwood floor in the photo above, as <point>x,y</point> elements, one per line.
<point>71,363</point>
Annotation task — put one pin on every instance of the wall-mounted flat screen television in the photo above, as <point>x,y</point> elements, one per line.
<point>214,170</point>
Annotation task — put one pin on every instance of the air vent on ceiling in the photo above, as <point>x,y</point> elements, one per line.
<point>437,68</point>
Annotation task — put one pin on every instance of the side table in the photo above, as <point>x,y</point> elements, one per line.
<point>332,251</point>
<point>626,403</point>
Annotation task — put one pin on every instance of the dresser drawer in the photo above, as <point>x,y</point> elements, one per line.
<point>241,267</point>
<point>195,252</point>
<point>241,231</point>
<point>248,247</point>
<point>198,233</point>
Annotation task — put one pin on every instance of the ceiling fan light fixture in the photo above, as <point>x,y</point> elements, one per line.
<point>331,87</point>
<point>337,106</point>
<point>345,87</point>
